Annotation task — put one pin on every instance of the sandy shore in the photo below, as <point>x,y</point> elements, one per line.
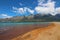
<point>52,32</point>
<point>20,30</point>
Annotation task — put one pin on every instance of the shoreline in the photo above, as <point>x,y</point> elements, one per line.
<point>52,32</point>
<point>19,30</point>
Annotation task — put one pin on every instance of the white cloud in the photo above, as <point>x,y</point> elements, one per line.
<point>31,11</point>
<point>46,8</point>
<point>14,9</point>
<point>42,8</point>
<point>18,10</point>
<point>23,10</point>
<point>40,2</point>
<point>5,16</point>
<point>58,10</point>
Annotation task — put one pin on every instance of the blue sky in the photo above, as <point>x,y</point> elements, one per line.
<point>7,7</point>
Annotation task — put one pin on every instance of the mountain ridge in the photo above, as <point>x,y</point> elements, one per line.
<point>33,18</point>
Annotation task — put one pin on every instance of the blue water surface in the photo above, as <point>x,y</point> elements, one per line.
<point>21,23</point>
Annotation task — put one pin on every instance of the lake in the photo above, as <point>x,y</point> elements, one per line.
<point>10,25</point>
<point>11,30</point>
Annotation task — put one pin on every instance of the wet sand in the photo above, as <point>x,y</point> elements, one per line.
<point>19,30</point>
<point>52,32</point>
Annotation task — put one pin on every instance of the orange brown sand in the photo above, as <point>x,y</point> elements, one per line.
<point>52,32</point>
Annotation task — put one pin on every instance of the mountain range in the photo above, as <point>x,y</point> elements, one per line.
<point>33,18</point>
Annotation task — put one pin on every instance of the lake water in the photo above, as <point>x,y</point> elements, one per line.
<point>5,25</point>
